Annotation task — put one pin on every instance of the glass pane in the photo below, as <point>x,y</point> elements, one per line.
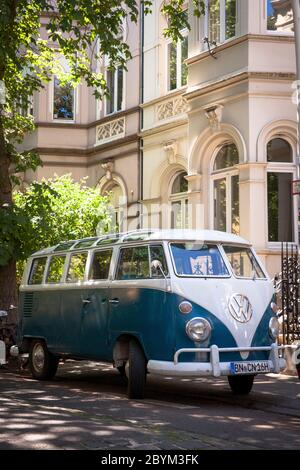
<point>85,243</point>
<point>279,150</point>
<point>63,104</point>
<point>172,58</point>
<point>280,207</point>
<point>180,184</point>
<point>37,271</point>
<point>214,21</point>
<point>220,204</point>
<point>230,18</point>
<point>157,253</point>
<point>279,16</point>
<point>227,157</point>
<point>176,214</point>
<point>100,265</point>
<point>110,80</point>
<point>235,205</point>
<point>56,268</point>
<point>134,263</point>
<point>198,260</point>
<point>77,267</point>
<point>120,89</point>
<point>243,262</point>
<point>184,56</point>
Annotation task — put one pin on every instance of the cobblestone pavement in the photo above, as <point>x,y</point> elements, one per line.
<point>85,407</point>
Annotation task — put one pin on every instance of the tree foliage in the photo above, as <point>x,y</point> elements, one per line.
<point>51,211</point>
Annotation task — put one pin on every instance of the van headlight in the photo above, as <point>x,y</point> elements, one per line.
<point>274,327</point>
<point>198,329</point>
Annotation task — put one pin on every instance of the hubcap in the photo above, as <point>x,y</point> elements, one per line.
<point>38,357</point>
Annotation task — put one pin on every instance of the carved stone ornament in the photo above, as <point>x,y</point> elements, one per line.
<point>214,116</point>
<point>108,167</point>
<point>170,148</point>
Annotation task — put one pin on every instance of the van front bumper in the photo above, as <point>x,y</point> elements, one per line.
<point>214,367</point>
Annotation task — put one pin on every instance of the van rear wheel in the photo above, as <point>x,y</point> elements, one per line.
<point>241,384</point>
<point>43,365</point>
<point>136,371</point>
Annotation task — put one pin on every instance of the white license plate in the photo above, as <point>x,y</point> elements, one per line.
<point>253,367</point>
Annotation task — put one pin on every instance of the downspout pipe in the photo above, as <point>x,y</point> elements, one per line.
<point>296,14</point>
<point>141,117</point>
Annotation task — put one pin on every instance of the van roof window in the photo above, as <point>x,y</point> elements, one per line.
<point>64,246</point>
<point>85,243</point>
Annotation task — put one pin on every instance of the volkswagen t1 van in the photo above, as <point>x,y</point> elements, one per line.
<point>172,303</point>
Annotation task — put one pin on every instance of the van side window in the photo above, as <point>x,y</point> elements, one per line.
<point>37,271</point>
<point>76,267</point>
<point>56,269</point>
<point>133,263</point>
<point>157,253</point>
<point>100,265</point>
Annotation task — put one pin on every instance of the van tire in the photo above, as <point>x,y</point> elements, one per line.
<point>136,372</point>
<point>42,364</point>
<point>241,384</point>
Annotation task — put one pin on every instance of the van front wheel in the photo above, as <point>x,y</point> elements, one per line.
<point>43,365</point>
<point>241,384</point>
<point>136,371</point>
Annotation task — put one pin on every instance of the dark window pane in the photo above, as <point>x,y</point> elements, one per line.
<point>227,157</point>
<point>157,253</point>
<point>184,56</point>
<point>56,268</point>
<point>220,204</point>
<point>230,18</point>
<point>37,271</point>
<point>76,268</point>
<point>120,89</point>
<point>180,184</point>
<point>235,205</point>
<point>172,53</point>
<point>279,150</point>
<point>100,265</point>
<point>63,106</point>
<point>110,79</point>
<point>134,263</point>
<point>280,207</point>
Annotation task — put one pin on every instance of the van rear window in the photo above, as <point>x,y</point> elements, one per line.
<point>37,271</point>
<point>199,260</point>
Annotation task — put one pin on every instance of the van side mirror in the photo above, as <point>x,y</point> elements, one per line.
<point>156,265</point>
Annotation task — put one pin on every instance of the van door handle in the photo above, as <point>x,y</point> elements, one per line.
<point>114,301</point>
<point>86,301</point>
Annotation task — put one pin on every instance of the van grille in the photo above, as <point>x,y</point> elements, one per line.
<point>28,304</point>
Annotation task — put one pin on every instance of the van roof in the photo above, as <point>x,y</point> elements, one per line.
<point>145,235</point>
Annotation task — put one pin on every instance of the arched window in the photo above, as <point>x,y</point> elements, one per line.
<point>226,189</point>
<point>115,193</point>
<point>280,174</point>
<point>179,202</point>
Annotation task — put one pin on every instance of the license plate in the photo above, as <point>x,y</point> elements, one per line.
<point>254,367</point>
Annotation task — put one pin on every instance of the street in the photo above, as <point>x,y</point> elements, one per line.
<point>85,407</point>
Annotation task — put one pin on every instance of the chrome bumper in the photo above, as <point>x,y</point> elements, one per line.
<point>214,367</point>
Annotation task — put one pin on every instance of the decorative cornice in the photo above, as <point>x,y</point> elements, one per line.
<point>233,42</point>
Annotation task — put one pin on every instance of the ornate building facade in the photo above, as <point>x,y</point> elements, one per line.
<point>199,134</point>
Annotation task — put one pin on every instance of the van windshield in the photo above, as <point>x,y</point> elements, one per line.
<point>243,262</point>
<point>198,259</point>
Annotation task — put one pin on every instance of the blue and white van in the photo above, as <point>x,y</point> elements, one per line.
<point>166,302</point>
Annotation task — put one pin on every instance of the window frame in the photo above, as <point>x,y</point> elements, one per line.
<point>75,102</point>
<point>131,246</point>
<point>116,91</point>
<point>71,254</point>
<point>222,31</point>
<point>182,198</point>
<point>30,271</point>
<point>192,276</point>
<point>226,173</point>
<point>64,270</point>
<point>281,167</point>
<point>90,264</point>
<point>258,261</point>
<point>270,31</point>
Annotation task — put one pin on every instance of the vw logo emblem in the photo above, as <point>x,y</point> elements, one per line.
<point>240,308</point>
